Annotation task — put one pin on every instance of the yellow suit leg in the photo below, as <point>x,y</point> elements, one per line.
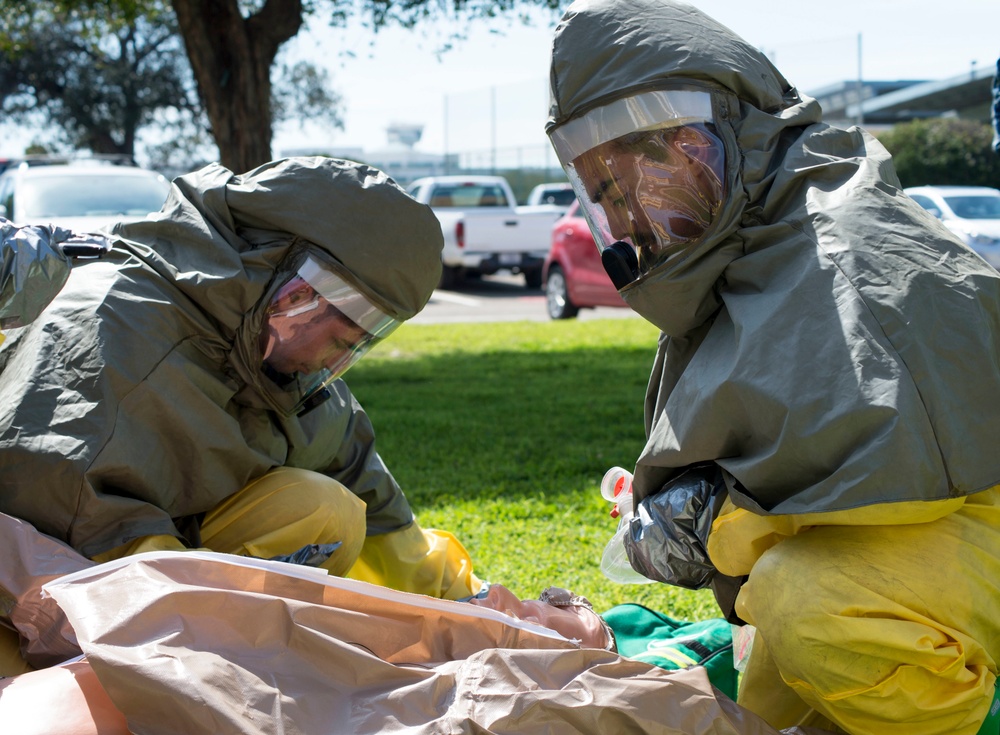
<point>884,630</point>
<point>284,510</point>
<point>276,514</point>
<point>289,508</point>
<point>763,690</point>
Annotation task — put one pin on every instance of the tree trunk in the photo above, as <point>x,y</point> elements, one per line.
<point>231,57</point>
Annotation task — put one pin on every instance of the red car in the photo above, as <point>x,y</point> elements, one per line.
<point>573,275</point>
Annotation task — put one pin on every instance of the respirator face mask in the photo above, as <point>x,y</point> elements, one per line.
<point>649,171</point>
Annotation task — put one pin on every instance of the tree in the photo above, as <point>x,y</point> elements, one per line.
<point>231,57</point>
<point>98,71</point>
<point>943,151</point>
<point>232,53</point>
<point>301,92</point>
<point>232,47</point>
<point>96,76</point>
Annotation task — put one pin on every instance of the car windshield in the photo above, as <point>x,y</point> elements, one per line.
<point>83,196</point>
<point>468,195</point>
<point>559,197</point>
<point>975,207</point>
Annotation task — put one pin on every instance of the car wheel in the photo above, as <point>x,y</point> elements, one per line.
<point>533,278</point>
<point>557,296</point>
<point>451,276</point>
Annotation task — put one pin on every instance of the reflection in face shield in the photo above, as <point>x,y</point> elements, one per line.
<point>304,333</point>
<point>655,189</point>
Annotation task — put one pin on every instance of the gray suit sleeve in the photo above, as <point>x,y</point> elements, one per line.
<point>34,266</point>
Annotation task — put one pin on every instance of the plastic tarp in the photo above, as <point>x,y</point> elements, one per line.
<point>197,642</point>
<point>201,643</point>
<point>31,559</point>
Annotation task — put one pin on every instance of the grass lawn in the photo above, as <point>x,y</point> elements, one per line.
<point>501,433</point>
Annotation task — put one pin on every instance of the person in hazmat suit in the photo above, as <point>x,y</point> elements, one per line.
<point>183,390</point>
<point>824,406</point>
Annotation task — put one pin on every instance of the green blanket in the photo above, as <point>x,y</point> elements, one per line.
<point>645,635</point>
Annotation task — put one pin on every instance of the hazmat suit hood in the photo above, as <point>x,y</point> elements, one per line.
<point>604,51</point>
<point>825,341</point>
<point>250,234</point>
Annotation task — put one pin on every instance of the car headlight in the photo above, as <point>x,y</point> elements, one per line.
<point>974,239</point>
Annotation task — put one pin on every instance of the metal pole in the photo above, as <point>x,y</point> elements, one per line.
<point>547,151</point>
<point>861,112</point>
<point>446,165</point>
<point>493,130</point>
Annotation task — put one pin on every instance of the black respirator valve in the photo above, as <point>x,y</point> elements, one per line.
<point>621,263</point>
<point>315,401</point>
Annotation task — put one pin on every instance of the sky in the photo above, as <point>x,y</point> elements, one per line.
<point>493,84</point>
<point>400,79</point>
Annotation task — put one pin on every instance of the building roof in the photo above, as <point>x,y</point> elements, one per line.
<point>967,96</point>
<point>885,103</point>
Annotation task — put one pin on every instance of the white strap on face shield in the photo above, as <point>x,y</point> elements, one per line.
<point>648,110</point>
<point>346,299</point>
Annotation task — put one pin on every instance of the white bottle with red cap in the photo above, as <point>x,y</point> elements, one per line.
<point>616,487</point>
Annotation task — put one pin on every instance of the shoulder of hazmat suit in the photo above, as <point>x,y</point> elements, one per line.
<point>137,399</point>
<point>826,341</point>
<point>32,270</point>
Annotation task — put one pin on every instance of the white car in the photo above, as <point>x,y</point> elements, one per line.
<point>971,212</point>
<point>82,197</point>
<point>557,194</point>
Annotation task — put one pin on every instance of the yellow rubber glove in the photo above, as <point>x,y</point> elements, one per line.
<point>427,562</point>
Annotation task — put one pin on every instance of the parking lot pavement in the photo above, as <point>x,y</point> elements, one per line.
<point>499,298</point>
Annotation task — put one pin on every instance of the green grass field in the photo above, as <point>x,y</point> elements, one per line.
<point>501,433</point>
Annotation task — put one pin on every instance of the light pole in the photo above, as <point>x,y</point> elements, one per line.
<point>861,112</point>
<point>493,130</point>
<point>445,128</point>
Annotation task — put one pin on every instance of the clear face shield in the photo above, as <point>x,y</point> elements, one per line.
<point>649,171</point>
<point>316,326</point>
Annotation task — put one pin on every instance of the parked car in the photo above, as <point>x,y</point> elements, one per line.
<point>484,229</point>
<point>558,194</point>
<point>971,212</point>
<point>52,159</point>
<point>80,196</point>
<point>574,276</point>
<point>6,163</point>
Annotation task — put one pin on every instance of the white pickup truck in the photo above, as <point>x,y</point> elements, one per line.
<point>484,230</point>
